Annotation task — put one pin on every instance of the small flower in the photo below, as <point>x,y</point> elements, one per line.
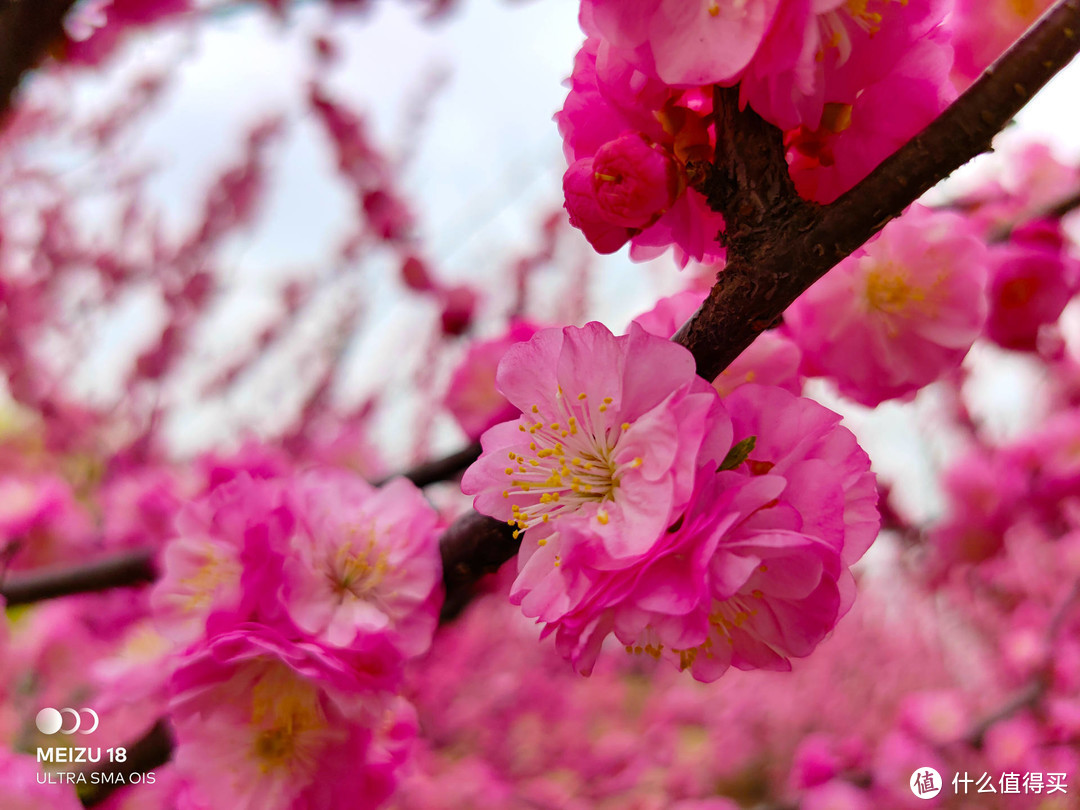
<point>897,314</point>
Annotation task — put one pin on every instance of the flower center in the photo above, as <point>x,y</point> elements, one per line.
<point>887,290</point>
<point>357,572</point>
<point>286,719</point>
<point>570,462</point>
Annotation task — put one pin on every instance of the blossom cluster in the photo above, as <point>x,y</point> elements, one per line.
<point>713,532</point>
<point>297,600</point>
<point>847,83</point>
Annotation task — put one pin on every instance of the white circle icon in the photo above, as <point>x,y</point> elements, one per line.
<point>49,721</point>
<point>926,783</point>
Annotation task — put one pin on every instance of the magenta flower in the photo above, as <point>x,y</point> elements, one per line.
<point>1032,278</point>
<point>897,313</point>
<point>362,561</point>
<point>628,138</point>
<point>634,181</point>
<point>23,785</point>
<point>264,724</point>
<point>610,435</point>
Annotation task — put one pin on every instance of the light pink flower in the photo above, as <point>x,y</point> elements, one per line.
<point>224,559</point>
<point>899,312</point>
<point>362,561</point>
<point>610,435</point>
<point>265,724</point>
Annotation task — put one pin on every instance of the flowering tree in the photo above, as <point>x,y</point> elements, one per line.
<point>288,621</point>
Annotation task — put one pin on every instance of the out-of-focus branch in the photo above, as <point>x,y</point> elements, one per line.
<point>27,28</point>
<point>769,267</point>
<point>150,751</point>
<point>1054,211</point>
<point>118,571</point>
<point>441,469</point>
<point>1037,686</point>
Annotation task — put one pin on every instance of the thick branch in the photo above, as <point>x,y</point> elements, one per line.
<point>765,275</point>
<point>121,570</point>
<point>27,28</point>
<point>473,546</point>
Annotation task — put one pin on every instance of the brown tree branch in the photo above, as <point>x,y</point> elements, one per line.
<point>27,28</point>
<point>120,570</point>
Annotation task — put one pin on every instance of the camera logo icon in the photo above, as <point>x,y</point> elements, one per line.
<point>50,721</point>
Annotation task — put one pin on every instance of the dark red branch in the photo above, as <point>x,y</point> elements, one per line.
<point>118,571</point>
<point>27,28</point>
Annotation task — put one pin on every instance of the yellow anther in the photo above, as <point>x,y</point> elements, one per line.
<point>602,517</point>
<point>581,396</point>
<point>536,409</point>
<point>625,425</point>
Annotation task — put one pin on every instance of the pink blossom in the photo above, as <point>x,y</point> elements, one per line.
<point>471,396</point>
<point>262,723</point>
<point>225,558</point>
<point>20,788</point>
<point>899,312</point>
<point>985,28</point>
<point>683,43</point>
<point>821,52</point>
<point>752,573</point>
<point>1032,278</point>
<point>643,133</point>
<point>585,213</point>
<point>610,435</point>
<point>634,181</point>
<point>362,561</point>
<point>853,138</point>
<point>837,795</point>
